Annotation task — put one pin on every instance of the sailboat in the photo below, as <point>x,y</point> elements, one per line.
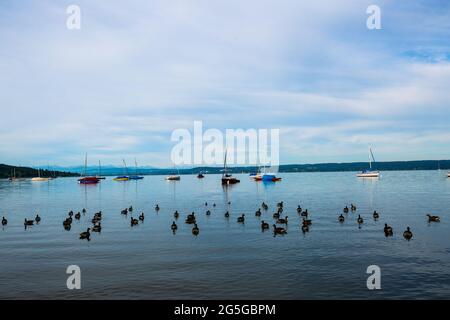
<point>124,177</point>
<point>226,177</point>
<point>174,177</point>
<point>266,176</point>
<point>87,179</point>
<point>39,178</point>
<point>13,176</point>
<point>135,176</point>
<point>369,173</point>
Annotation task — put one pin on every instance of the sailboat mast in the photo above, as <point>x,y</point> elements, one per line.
<point>85,165</point>
<point>225,163</point>
<point>125,167</point>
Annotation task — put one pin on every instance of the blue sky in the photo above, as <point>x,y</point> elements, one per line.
<point>137,70</point>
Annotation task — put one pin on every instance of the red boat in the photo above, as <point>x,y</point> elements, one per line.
<point>89,180</point>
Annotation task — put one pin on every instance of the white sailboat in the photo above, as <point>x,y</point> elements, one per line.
<point>174,177</point>
<point>39,178</point>
<point>369,173</point>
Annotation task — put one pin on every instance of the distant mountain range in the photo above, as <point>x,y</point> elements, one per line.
<point>6,170</point>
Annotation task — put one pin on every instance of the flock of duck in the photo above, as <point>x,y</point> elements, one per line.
<point>279,225</point>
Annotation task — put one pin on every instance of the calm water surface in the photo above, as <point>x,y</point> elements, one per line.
<point>228,260</point>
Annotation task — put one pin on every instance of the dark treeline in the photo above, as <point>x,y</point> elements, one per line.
<point>335,167</point>
<point>7,171</point>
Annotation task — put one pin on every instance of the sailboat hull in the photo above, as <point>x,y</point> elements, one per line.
<point>374,174</point>
<point>39,179</point>
<point>89,180</point>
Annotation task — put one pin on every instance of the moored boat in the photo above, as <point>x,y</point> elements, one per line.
<point>369,173</point>
<point>227,178</point>
<point>124,177</point>
<point>39,178</point>
<point>87,179</point>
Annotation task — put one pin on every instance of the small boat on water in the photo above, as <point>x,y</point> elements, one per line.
<point>39,178</point>
<point>369,173</point>
<point>87,179</point>
<point>174,177</point>
<point>200,175</point>
<point>135,176</point>
<point>14,178</point>
<point>270,177</point>
<point>124,177</point>
<point>227,178</point>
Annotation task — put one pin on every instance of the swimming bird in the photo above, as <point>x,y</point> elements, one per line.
<point>276,215</point>
<point>433,218</point>
<point>124,211</point>
<point>195,230</point>
<point>176,214</point>
<point>157,207</point>
<point>279,230</point>
<point>353,207</point>
<point>241,219</point>
<point>95,220</point>
<point>376,215</point>
<point>306,222</point>
<point>208,213</point>
<point>4,221</point>
<point>388,230</point>
<point>67,222</point>
<point>280,204</point>
<point>304,213</point>
<point>174,226</point>
<point>283,221</point>
<point>37,219</point>
<point>28,222</point>
<point>264,225</point>
<point>305,228</point>
<point>86,235</point>
<point>134,222</point>
<point>97,227</point>
<point>214,204</point>
<point>359,220</point>
<point>258,213</point>
<point>190,219</point>
<point>78,216</point>
<point>227,214</point>
<point>141,216</point>
<point>299,209</point>
<point>206,204</point>
<point>264,206</point>
<point>341,218</point>
<point>407,234</point>
<point>84,210</point>
<point>346,210</point>
<point>130,208</point>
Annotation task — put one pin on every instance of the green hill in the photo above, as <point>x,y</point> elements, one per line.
<point>7,171</point>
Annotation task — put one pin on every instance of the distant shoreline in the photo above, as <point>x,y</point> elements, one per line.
<point>418,165</point>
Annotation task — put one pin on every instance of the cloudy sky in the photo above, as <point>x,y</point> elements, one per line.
<point>137,70</point>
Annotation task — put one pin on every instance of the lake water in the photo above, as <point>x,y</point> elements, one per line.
<point>228,260</point>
